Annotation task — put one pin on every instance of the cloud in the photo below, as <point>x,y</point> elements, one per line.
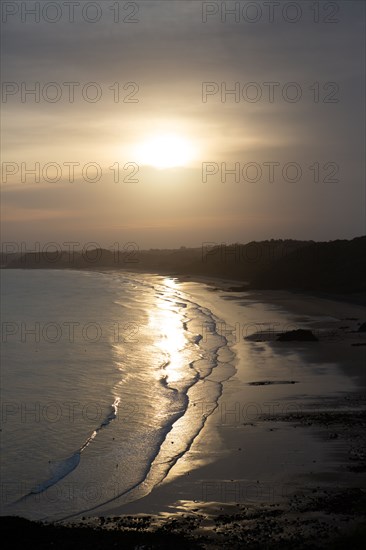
<point>169,53</point>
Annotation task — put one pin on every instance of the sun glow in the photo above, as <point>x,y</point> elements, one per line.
<point>165,151</point>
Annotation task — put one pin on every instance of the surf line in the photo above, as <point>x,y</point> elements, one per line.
<point>154,462</point>
<point>64,467</point>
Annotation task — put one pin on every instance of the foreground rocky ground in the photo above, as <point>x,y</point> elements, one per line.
<point>325,519</point>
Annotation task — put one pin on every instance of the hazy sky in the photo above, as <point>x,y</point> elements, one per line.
<point>292,131</point>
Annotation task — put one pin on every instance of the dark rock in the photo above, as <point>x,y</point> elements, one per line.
<point>299,335</point>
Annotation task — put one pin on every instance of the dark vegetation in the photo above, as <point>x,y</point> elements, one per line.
<point>335,266</point>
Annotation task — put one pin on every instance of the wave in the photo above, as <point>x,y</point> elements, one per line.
<point>62,468</point>
<point>59,470</point>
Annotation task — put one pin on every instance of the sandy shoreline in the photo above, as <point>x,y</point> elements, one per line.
<point>281,460</point>
<point>246,409</point>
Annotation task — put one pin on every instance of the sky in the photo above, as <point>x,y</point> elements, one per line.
<point>174,123</point>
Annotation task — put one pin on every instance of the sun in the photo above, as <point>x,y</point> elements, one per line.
<point>165,151</point>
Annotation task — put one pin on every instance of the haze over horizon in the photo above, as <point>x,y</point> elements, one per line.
<point>180,124</point>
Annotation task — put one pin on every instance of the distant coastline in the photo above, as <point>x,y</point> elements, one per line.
<point>334,267</point>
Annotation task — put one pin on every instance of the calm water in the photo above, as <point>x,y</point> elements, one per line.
<point>101,375</point>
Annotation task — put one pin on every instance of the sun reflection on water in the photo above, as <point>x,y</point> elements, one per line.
<point>166,320</point>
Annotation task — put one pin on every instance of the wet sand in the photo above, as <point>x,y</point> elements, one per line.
<point>280,462</point>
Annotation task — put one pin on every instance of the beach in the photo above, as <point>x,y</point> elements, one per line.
<point>279,460</point>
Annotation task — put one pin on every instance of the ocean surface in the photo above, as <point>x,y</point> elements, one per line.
<point>102,378</point>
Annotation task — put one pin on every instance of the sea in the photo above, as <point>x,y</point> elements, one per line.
<point>103,377</point>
